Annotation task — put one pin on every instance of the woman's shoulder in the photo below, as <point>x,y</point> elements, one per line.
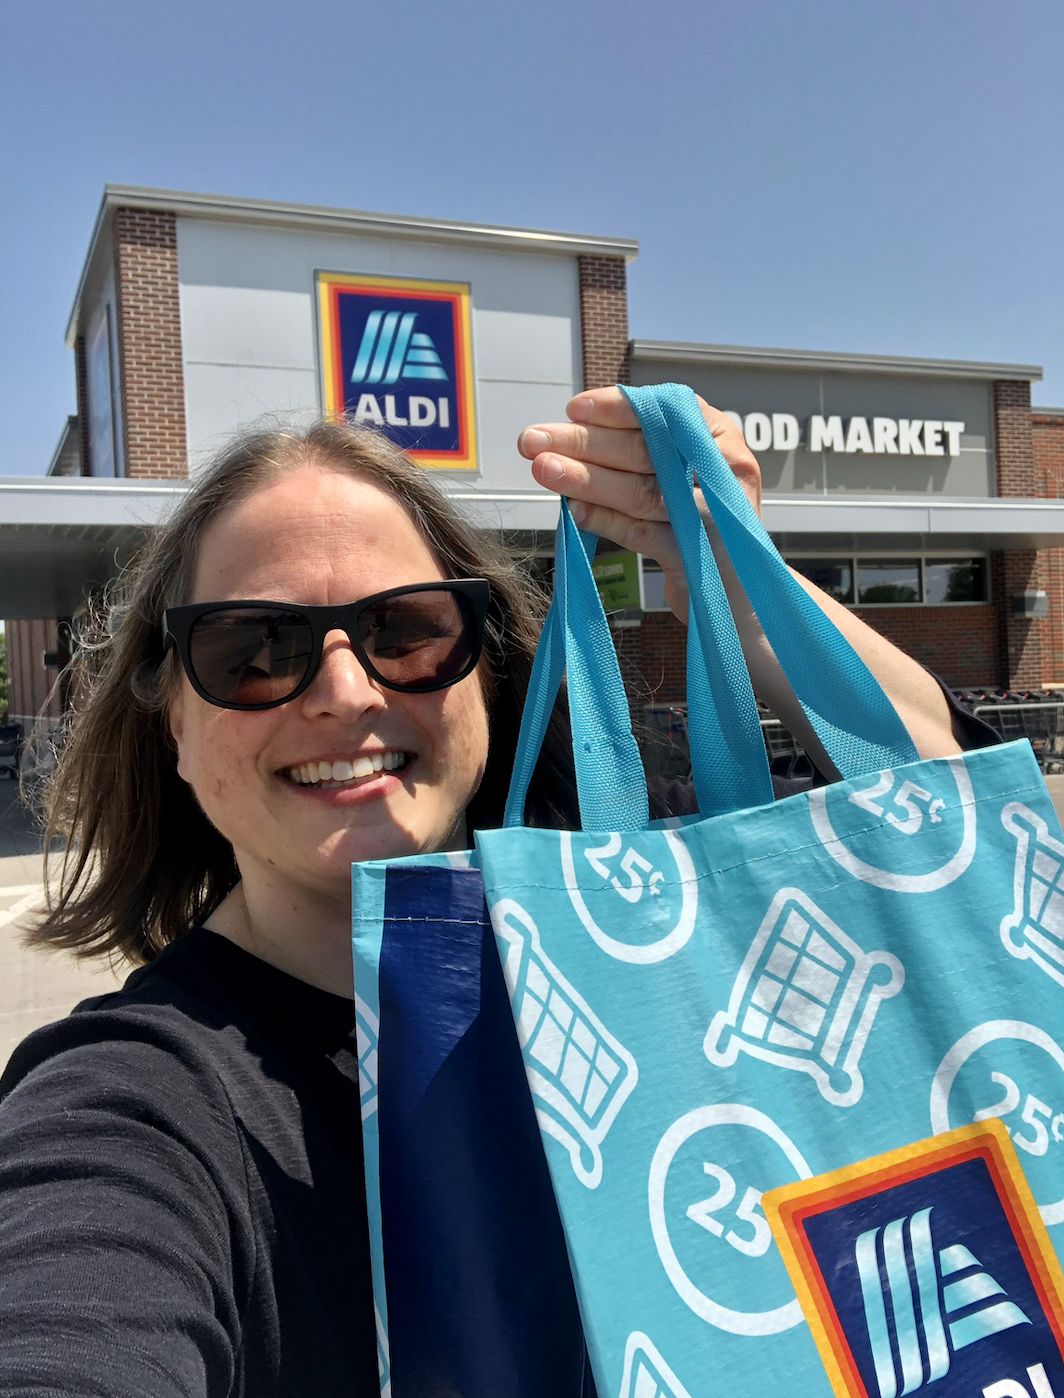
<point>203,1011</point>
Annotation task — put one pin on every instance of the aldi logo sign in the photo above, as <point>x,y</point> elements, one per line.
<point>927,1268</point>
<point>396,354</point>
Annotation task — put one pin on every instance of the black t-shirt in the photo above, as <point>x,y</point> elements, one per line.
<point>181,1184</point>
<point>181,1191</point>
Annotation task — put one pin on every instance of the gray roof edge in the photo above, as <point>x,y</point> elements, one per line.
<point>829,359</point>
<point>191,204</point>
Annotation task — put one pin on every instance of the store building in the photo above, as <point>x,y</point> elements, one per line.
<point>923,492</point>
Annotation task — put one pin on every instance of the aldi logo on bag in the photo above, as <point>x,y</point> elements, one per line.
<point>395,354</point>
<point>929,1265</point>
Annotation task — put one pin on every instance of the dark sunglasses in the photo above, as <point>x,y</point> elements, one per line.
<point>256,655</point>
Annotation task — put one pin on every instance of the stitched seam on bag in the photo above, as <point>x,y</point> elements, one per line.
<point>792,850</point>
<point>450,921</point>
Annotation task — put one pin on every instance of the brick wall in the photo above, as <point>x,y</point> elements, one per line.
<point>1020,640</point>
<point>149,343</point>
<point>960,644</point>
<point>1048,442</point>
<point>603,320</point>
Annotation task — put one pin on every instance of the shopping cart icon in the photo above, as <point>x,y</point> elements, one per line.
<point>367,1036</point>
<point>579,1074</point>
<point>1034,930</point>
<point>646,1375</point>
<point>805,998</point>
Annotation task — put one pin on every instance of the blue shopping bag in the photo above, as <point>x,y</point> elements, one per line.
<point>471,1280</point>
<point>798,1066</point>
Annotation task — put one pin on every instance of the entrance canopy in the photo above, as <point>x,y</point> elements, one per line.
<point>62,536</point>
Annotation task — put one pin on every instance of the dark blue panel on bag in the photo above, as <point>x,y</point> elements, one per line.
<point>480,1295</point>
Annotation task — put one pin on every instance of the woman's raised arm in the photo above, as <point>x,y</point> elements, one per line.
<point>599,460</point>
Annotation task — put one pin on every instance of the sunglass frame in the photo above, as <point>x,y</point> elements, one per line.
<point>177,624</point>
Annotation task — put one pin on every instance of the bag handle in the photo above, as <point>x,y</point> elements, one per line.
<point>849,712</point>
<point>610,782</point>
<point>852,716</point>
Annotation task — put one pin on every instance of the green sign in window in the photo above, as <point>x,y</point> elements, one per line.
<point>617,578</point>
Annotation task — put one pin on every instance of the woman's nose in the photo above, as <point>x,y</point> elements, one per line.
<point>341,686</point>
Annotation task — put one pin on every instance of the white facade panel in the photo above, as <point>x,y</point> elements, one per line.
<point>222,399</point>
<point>250,339</point>
<point>247,325</point>
<point>506,408</point>
<point>527,348</point>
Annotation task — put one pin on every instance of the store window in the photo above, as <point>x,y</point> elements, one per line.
<point>653,587</point>
<point>833,575</point>
<point>894,582</point>
<point>955,580</point>
<point>888,581</point>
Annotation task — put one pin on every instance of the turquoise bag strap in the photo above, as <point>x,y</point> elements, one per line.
<point>728,761</point>
<point>853,718</point>
<point>610,781</point>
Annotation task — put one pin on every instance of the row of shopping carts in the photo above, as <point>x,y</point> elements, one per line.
<point>1037,715</point>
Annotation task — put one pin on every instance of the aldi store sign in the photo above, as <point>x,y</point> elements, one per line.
<point>396,355</point>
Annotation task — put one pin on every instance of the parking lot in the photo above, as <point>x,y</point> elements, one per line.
<point>35,987</point>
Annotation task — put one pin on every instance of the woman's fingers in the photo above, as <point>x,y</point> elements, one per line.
<point>622,449</point>
<point>651,538</point>
<point>624,492</point>
<point>602,407</point>
<point>604,431</point>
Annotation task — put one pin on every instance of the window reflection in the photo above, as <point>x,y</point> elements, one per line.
<point>955,580</point>
<point>888,580</point>
<point>833,575</point>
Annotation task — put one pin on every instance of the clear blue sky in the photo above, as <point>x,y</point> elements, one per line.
<point>881,176</point>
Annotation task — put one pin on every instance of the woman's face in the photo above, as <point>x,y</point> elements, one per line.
<point>321,538</point>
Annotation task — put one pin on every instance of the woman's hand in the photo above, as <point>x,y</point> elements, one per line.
<point>599,460</point>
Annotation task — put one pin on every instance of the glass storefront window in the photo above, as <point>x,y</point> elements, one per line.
<point>955,580</point>
<point>653,587</point>
<point>888,580</point>
<point>833,575</point>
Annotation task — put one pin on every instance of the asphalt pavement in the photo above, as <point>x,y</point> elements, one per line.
<point>35,987</point>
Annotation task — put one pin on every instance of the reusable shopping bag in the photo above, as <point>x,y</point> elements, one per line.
<point>471,1280</point>
<point>797,1065</point>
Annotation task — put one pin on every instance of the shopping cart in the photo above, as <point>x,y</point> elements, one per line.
<point>1034,929</point>
<point>805,998</point>
<point>367,1038</point>
<point>646,1375</point>
<point>578,1072</point>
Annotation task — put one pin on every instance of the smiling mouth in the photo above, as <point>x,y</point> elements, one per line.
<point>326,775</point>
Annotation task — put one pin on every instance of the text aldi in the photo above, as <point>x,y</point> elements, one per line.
<point>396,354</point>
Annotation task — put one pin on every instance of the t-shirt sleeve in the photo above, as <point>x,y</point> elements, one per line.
<point>120,1229</point>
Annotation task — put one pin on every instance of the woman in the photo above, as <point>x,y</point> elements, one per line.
<point>180,1163</point>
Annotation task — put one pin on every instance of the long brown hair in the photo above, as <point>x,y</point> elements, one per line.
<point>139,863</point>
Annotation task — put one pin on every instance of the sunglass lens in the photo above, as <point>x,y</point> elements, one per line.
<point>244,656</point>
<point>420,640</point>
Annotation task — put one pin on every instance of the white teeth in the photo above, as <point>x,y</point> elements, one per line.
<point>312,773</point>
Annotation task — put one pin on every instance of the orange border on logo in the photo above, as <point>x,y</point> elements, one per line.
<point>787,1208</point>
<point>330,284</point>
